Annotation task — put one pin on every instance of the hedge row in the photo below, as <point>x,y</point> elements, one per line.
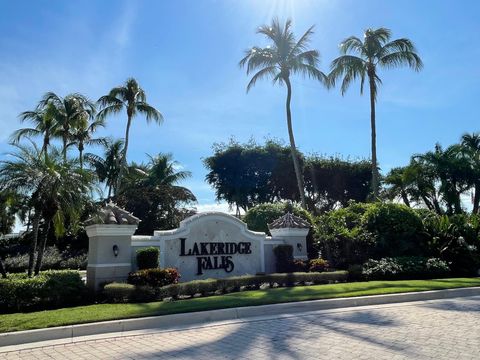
<point>120,292</point>
<point>50,289</point>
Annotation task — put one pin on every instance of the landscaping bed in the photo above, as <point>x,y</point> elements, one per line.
<point>102,312</point>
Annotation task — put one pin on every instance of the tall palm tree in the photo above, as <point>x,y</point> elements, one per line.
<point>130,97</point>
<point>285,56</point>
<point>470,149</point>
<point>361,60</point>
<point>83,135</point>
<point>69,112</point>
<point>45,125</point>
<point>107,167</point>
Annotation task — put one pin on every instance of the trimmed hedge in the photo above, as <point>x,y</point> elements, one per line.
<point>50,289</point>
<point>147,258</point>
<point>403,268</point>
<point>117,292</point>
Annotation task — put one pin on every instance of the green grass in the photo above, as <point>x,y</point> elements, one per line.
<point>101,312</point>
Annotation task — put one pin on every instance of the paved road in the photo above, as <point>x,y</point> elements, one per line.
<point>442,329</point>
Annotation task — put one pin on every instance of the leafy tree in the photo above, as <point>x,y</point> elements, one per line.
<point>245,175</point>
<point>131,98</point>
<point>108,167</point>
<point>333,182</point>
<point>285,56</point>
<point>361,60</point>
<point>152,192</point>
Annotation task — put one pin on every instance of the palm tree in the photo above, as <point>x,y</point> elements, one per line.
<point>55,189</point>
<point>82,135</point>
<point>360,60</point>
<point>44,123</point>
<point>398,181</point>
<point>69,112</point>
<point>470,149</point>
<point>107,167</point>
<point>282,58</point>
<point>131,97</point>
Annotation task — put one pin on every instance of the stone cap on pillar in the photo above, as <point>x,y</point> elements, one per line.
<point>114,215</point>
<point>289,225</point>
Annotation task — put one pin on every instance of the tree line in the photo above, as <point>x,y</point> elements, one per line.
<point>246,175</point>
<point>53,192</point>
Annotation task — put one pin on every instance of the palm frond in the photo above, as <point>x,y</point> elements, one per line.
<point>400,58</point>
<point>149,111</point>
<point>268,71</point>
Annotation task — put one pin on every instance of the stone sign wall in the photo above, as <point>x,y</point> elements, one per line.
<point>206,245</point>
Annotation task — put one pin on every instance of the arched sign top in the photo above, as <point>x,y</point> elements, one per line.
<point>209,216</point>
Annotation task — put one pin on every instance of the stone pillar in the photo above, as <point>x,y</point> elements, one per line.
<point>109,246</point>
<point>293,230</point>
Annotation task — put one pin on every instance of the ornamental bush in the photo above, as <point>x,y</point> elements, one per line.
<point>154,277</point>
<point>318,265</point>
<point>402,268</point>
<point>50,289</point>
<point>147,258</point>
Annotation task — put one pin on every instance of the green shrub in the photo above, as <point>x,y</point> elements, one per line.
<point>341,237</point>
<point>456,240</point>
<point>119,292</point>
<point>284,258</point>
<point>318,265</point>
<point>153,277</point>
<point>355,272</point>
<point>147,258</point>
<point>358,232</point>
<point>50,289</point>
<point>405,268</point>
<point>397,229</point>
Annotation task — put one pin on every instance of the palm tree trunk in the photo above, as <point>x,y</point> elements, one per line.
<point>405,198</point>
<point>41,246</point>
<point>2,269</point>
<point>375,182</point>
<point>123,160</point>
<point>476,198</point>
<point>293,148</point>
<point>33,245</point>
<point>64,150</point>
<point>80,150</point>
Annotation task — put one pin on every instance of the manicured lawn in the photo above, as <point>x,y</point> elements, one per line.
<point>101,312</point>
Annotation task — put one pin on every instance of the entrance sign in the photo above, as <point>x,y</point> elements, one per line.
<point>206,245</point>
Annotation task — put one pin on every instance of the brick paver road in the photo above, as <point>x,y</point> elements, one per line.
<point>442,329</point>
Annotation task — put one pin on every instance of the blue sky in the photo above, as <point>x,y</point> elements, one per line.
<point>185,55</point>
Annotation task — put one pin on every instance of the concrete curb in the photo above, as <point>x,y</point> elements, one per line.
<point>68,334</point>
